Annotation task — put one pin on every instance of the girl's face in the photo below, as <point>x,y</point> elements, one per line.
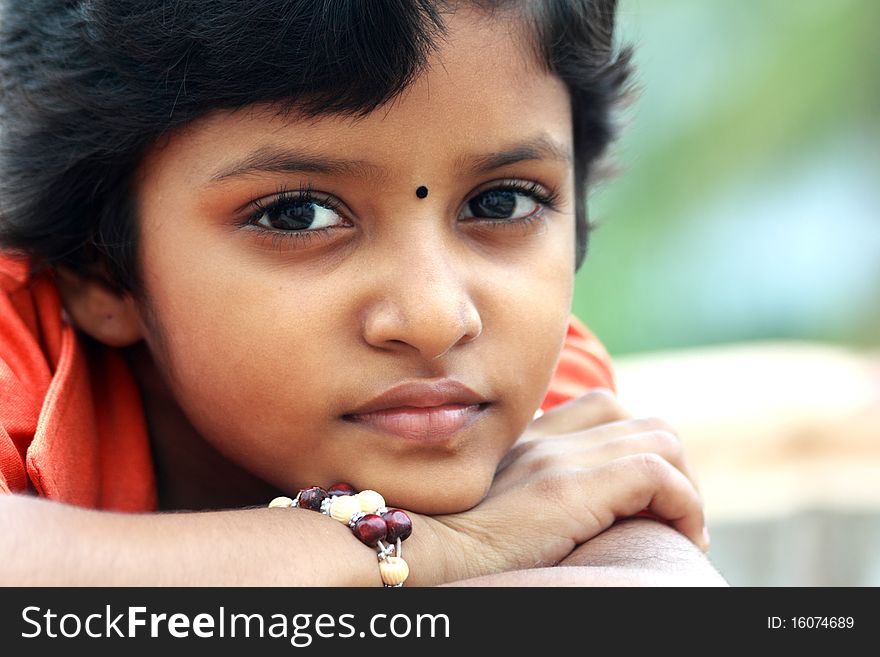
<point>293,274</point>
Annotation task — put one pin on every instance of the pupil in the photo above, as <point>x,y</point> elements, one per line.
<point>294,216</point>
<point>494,204</point>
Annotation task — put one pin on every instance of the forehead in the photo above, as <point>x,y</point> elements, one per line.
<point>484,89</point>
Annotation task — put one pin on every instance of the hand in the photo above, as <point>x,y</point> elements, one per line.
<point>575,471</point>
<point>599,429</point>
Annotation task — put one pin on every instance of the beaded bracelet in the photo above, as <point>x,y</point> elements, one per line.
<point>369,519</point>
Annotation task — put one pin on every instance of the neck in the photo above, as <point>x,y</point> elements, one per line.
<point>190,473</point>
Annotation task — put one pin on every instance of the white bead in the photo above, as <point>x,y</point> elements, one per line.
<point>281,503</point>
<point>370,501</point>
<point>344,507</point>
<point>394,570</point>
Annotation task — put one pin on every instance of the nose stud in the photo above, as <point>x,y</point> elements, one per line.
<point>422,191</point>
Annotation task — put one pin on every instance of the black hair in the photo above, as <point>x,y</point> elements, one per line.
<point>87,86</point>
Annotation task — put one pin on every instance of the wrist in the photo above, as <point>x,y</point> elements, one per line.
<point>354,564</point>
<point>374,524</point>
<point>441,554</point>
<point>429,552</point>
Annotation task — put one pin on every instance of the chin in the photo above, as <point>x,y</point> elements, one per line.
<point>432,497</point>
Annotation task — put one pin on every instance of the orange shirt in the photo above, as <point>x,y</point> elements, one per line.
<point>72,426</point>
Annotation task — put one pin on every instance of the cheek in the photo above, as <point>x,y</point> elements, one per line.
<point>530,304</point>
<point>246,359</point>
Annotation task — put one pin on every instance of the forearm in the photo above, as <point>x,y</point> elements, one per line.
<point>641,545</point>
<point>575,576</point>
<point>633,552</point>
<point>45,543</point>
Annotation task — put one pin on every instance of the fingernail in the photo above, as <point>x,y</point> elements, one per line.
<point>706,539</point>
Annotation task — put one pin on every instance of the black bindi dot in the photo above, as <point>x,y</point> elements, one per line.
<point>422,192</point>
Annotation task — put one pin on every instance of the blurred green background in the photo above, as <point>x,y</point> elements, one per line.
<point>746,206</point>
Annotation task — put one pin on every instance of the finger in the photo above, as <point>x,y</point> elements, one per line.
<point>569,506</point>
<point>620,428</point>
<point>666,440</point>
<point>601,444</point>
<point>625,486</point>
<point>662,443</point>
<point>599,406</point>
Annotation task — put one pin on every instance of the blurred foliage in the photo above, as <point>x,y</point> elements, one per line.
<point>746,206</point>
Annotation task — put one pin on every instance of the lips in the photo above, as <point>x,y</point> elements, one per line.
<point>421,411</point>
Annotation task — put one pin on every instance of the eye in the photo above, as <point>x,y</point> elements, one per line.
<point>510,201</point>
<point>500,204</point>
<point>298,211</point>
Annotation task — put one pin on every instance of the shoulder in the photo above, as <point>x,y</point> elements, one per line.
<point>31,322</point>
<point>14,272</point>
<point>30,350</point>
<point>583,364</point>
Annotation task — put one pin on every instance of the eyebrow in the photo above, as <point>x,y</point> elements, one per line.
<point>271,159</point>
<point>541,147</point>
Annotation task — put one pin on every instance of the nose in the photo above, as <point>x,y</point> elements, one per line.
<point>422,303</point>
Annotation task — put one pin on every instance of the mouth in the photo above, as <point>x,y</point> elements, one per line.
<point>422,411</point>
<point>432,424</point>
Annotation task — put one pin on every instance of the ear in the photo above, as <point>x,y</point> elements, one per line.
<point>108,316</point>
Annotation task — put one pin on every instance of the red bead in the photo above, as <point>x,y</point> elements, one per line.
<point>370,529</point>
<point>341,489</point>
<point>311,498</point>
<point>398,523</point>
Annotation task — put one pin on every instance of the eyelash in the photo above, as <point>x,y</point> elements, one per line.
<point>547,200</point>
<point>283,197</point>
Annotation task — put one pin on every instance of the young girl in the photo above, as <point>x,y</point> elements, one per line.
<point>300,243</point>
